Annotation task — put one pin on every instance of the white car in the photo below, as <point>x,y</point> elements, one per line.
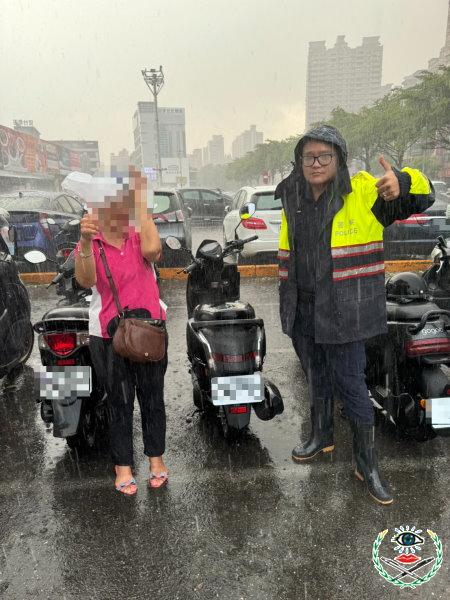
<point>265,222</point>
<point>440,187</point>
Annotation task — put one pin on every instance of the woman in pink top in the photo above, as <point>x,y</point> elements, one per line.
<point>131,244</point>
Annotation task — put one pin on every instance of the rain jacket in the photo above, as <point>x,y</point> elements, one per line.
<point>353,234</point>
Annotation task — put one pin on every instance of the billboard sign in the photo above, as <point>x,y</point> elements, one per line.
<point>23,153</point>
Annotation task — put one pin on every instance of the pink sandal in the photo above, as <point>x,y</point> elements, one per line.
<point>156,480</point>
<point>121,487</point>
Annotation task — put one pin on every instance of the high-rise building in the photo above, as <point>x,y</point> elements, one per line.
<point>172,134</point>
<point>214,153</point>
<point>196,159</point>
<point>120,162</point>
<point>433,65</point>
<point>444,55</point>
<point>205,156</point>
<point>87,150</point>
<point>246,142</point>
<point>344,77</point>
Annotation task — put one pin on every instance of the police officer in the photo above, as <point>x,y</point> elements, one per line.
<point>332,292</point>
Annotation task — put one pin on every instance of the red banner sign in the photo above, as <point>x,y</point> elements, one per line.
<point>20,152</point>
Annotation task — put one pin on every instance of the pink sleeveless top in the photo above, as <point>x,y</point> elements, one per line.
<point>135,281</point>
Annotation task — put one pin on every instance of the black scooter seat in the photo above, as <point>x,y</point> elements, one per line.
<point>226,310</point>
<point>408,312</point>
<point>67,312</point>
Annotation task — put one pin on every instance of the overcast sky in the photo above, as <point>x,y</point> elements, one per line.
<point>73,66</point>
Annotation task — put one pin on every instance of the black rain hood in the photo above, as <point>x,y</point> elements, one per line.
<point>329,135</point>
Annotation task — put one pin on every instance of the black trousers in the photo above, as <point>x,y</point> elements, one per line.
<point>338,366</point>
<point>122,379</point>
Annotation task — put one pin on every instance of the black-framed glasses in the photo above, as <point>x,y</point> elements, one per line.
<point>323,159</point>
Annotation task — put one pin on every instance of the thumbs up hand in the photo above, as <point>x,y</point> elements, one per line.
<point>388,186</point>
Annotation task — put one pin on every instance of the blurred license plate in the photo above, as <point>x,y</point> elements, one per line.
<point>62,383</point>
<point>438,412</point>
<point>237,389</point>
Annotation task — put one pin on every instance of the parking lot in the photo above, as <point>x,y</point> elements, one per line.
<point>238,520</point>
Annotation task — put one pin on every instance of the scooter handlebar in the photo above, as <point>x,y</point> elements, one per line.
<point>191,267</point>
<point>56,279</point>
<point>238,244</point>
<point>196,263</point>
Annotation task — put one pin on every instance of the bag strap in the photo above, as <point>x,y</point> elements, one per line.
<point>112,285</point>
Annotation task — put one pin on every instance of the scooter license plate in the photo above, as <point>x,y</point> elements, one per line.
<point>438,412</point>
<point>237,389</point>
<point>63,383</point>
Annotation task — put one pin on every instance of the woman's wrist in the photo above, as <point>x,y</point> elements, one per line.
<point>85,246</point>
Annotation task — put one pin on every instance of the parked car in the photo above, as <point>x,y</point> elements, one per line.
<point>172,218</point>
<point>440,187</point>
<point>206,204</point>
<point>265,222</point>
<point>37,218</point>
<point>415,237</point>
<point>408,239</point>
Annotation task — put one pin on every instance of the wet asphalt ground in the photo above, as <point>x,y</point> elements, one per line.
<point>238,520</point>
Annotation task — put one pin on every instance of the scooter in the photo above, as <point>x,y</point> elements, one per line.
<point>65,239</point>
<point>226,343</point>
<point>16,331</point>
<point>65,282</point>
<point>66,386</point>
<point>408,371</point>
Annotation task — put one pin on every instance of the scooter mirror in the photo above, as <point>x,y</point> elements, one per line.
<point>35,257</point>
<point>73,222</point>
<point>51,221</point>
<point>173,243</point>
<point>247,210</point>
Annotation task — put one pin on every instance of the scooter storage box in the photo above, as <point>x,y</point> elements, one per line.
<point>227,310</point>
<point>226,349</point>
<point>381,350</point>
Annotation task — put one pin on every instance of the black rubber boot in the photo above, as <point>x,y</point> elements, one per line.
<point>366,462</point>
<point>321,438</point>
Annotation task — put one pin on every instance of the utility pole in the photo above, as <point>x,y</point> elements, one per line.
<point>155,81</point>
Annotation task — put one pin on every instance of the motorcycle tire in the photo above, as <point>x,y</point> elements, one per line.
<point>197,397</point>
<point>422,434</point>
<point>29,348</point>
<point>16,367</point>
<point>88,433</point>
<point>202,403</point>
<point>229,433</point>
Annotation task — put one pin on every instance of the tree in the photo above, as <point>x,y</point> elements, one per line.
<point>361,131</point>
<point>397,124</point>
<point>272,156</point>
<point>430,99</point>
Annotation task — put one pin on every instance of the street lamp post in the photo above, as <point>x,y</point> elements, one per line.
<point>155,81</point>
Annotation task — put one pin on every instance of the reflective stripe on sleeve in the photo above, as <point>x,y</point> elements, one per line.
<point>284,254</point>
<point>373,269</point>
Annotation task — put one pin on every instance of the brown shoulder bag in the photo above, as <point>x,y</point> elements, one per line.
<point>138,339</point>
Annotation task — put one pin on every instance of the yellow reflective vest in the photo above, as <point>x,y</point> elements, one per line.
<point>357,257</point>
